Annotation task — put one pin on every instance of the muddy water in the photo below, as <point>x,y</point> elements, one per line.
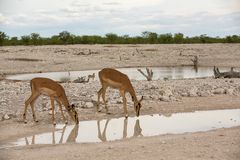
<point>143,126</point>
<point>158,73</point>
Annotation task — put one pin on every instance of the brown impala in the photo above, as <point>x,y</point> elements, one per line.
<point>56,92</point>
<point>115,79</point>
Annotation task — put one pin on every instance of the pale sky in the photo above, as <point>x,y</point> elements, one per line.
<point>132,17</point>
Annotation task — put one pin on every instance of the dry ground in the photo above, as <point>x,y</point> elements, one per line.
<point>215,144</point>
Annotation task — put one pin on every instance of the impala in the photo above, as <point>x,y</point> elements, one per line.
<point>112,78</point>
<point>56,92</point>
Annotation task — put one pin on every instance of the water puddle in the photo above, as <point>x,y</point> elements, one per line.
<point>143,126</point>
<point>158,73</point>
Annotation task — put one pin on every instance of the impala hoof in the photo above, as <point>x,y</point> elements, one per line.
<point>126,116</point>
<point>36,121</point>
<point>66,122</point>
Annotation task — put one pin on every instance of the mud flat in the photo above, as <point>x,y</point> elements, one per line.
<point>164,97</point>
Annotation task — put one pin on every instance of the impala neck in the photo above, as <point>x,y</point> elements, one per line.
<point>132,93</point>
<point>65,100</point>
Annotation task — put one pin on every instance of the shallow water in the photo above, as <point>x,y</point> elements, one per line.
<point>158,73</point>
<point>142,126</point>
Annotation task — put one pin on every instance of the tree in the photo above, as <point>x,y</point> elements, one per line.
<point>178,38</point>
<point>111,38</point>
<point>66,37</point>
<point>165,38</point>
<point>150,37</point>
<point>13,41</point>
<point>35,38</point>
<point>25,40</point>
<point>3,37</point>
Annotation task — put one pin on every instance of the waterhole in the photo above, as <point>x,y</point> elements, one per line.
<point>133,73</point>
<point>143,126</point>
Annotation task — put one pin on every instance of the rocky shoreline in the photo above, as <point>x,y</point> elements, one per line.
<point>84,96</point>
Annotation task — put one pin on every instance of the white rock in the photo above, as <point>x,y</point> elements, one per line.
<point>193,92</point>
<point>50,112</point>
<point>172,98</point>
<point>6,117</point>
<point>204,93</point>
<point>89,105</point>
<point>94,97</point>
<point>164,98</point>
<point>184,94</point>
<point>83,93</point>
<point>219,91</point>
<point>166,92</point>
<point>229,91</point>
<point>154,97</point>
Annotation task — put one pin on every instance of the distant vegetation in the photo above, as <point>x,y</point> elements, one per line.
<point>66,37</point>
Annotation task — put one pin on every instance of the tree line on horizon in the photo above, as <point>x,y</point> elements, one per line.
<point>147,37</point>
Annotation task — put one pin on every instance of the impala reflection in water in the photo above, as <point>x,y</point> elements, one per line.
<point>122,128</point>
<point>71,134</point>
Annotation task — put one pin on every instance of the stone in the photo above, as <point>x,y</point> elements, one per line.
<point>219,91</point>
<point>166,92</point>
<point>84,93</point>
<point>94,97</point>
<point>154,97</point>
<point>184,94</point>
<point>204,93</point>
<point>229,91</point>
<point>6,117</point>
<point>172,98</point>
<point>193,92</point>
<point>164,98</point>
<point>89,105</point>
<point>50,112</point>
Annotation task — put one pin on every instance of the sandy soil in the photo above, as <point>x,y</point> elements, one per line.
<point>164,97</point>
<point>22,59</point>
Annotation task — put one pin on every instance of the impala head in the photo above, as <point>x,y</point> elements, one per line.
<point>73,113</point>
<point>137,106</point>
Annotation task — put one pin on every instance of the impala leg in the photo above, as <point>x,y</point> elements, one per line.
<point>103,97</point>
<point>53,109</point>
<point>27,102</point>
<point>33,110</point>
<point>60,106</point>
<point>98,102</point>
<point>124,103</point>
